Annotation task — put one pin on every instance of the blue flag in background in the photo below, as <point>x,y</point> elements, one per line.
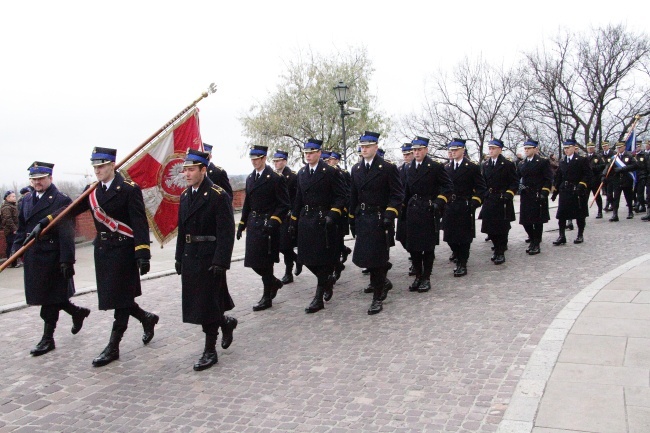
<point>630,144</point>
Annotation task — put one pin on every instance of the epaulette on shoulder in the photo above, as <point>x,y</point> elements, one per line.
<point>217,188</point>
<point>130,182</point>
<point>218,168</point>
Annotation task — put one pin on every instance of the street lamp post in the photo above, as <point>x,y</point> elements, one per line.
<point>341,93</point>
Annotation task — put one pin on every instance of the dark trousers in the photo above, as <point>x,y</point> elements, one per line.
<point>322,273</point>
<point>121,316</point>
<point>423,263</point>
<point>50,313</point>
<point>211,328</point>
<point>640,191</point>
<point>581,226</point>
<point>289,257</point>
<point>266,274</point>
<point>9,242</point>
<point>461,251</point>
<point>500,242</point>
<point>629,197</point>
<point>599,198</point>
<point>378,276</point>
<point>534,231</point>
<point>609,192</point>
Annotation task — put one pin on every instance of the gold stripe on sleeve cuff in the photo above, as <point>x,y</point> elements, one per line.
<point>546,189</point>
<point>511,192</point>
<point>142,247</point>
<point>477,199</point>
<point>336,210</point>
<point>50,218</point>
<point>351,216</point>
<point>293,217</point>
<point>393,209</point>
<point>277,218</point>
<point>242,222</point>
<point>442,197</point>
<point>582,183</point>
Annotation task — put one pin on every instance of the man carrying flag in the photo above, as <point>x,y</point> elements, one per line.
<point>623,179</point>
<point>122,250</point>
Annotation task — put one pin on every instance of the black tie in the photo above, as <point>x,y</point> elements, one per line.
<point>104,187</point>
<point>311,171</point>
<point>257,176</point>
<point>36,197</point>
<point>417,167</point>
<point>456,168</point>
<point>367,167</point>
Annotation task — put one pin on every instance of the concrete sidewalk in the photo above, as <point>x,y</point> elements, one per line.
<point>591,371</point>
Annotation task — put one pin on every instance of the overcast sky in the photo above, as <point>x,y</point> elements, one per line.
<point>81,74</point>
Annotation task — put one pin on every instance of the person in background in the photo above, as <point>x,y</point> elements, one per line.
<point>9,218</point>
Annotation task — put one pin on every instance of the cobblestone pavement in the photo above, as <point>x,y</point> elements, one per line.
<point>443,361</point>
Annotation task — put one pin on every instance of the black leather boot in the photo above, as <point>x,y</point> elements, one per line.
<point>534,247</point>
<point>148,324</point>
<point>461,269</point>
<point>78,316</point>
<point>328,289</point>
<point>599,215</point>
<point>630,214</point>
<point>275,286</point>
<point>112,351</point>
<point>614,217</point>
<point>415,285</point>
<point>569,225</point>
<point>642,208</point>
<point>47,341</point>
<point>337,272</point>
<point>580,239</point>
<point>377,304</point>
<point>385,289</point>
<point>209,357</point>
<point>344,254</point>
<point>316,303</point>
<point>298,269</point>
<point>647,215</point>
<point>425,285</point>
<point>265,302</point>
<point>453,258</point>
<point>229,325</point>
<point>499,258</point>
<point>369,289</point>
<point>288,277</point>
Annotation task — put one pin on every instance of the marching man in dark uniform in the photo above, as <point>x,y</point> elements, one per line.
<point>621,179</point>
<point>571,182</point>
<point>206,234</point>
<point>597,165</point>
<point>266,203</point>
<point>318,206</point>
<point>343,227</point>
<point>536,180</point>
<point>428,188</point>
<point>122,249</point>
<point>646,162</point>
<point>641,179</point>
<point>608,187</point>
<point>498,209</point>
<point>287,242</point>
<point>376,196</point>
<point>217,175</point>
<point>458,222</point>
<point>49,263</point>
<point>400,232</point>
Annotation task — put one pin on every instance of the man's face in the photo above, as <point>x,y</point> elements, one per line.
<point>620,149</point>
<point>279,164</point>
<point>312,157</point>
<point>591,150</point>
<point>369,150</point>
<point>569,150</point>
<point>258,163</point>
<point>194,175</point>
<point>333,162</point>
<point>605,147</point>
<point>419,153</point>
<point>457,154</point>
<point>11,198</point>
<point>105,172</point>
<point>42,183</point>
<point>408,157</point>
<point>494,151</point>
<point>530,151</point>
<point>647,146</point>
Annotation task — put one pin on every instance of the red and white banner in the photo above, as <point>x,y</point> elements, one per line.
<point>158,170</point>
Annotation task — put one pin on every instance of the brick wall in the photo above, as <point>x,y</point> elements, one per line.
<point>238,199</point>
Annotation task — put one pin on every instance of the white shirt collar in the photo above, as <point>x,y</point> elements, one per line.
<point>368,161</point>
<point>108,184</point>
<point>313,167</point>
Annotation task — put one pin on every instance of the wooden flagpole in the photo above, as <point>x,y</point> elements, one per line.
<point>64,211</point>
<point>629,132</point>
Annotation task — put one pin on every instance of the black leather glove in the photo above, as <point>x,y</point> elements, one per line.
<point>67,269</point>
<point>240,230</point>
<point>439,206</point>
<point>179,267</point>
<point>544,193</point>
<point>144,265</point>
<point>217,271</point>
<point>554,196</point>
<point>353,228</point>
<point>36,231</point>
<point>389,222</point>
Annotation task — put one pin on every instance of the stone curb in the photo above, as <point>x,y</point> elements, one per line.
<point>524,404</point>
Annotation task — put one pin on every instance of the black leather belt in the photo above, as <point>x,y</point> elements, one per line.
<point>191,239</point>
<point>105,236</point>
